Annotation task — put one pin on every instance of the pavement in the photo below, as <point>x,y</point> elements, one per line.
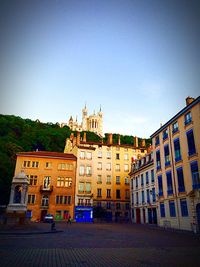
<point>97,245</point>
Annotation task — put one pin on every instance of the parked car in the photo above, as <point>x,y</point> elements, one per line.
<point>48,218</point>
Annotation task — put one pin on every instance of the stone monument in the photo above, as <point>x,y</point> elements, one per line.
<point>17,207</point>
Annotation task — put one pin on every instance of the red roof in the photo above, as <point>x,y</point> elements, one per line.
<point>47,154</point>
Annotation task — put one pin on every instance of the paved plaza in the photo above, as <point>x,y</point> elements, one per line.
<point>97,245</point>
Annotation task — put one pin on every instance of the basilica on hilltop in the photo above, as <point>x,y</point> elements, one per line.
<point>92,123</point>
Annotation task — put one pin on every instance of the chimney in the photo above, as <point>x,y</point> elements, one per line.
<point>119,143</point>
<point>143,143</point>
<point>189,100</point>
<point>109,141</point>
<point>84,137</point>
<point>78,138</point>
<point>135,141</point>
<point>149,149</point>
<point>71,136</point>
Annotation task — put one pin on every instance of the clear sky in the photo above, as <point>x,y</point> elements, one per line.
<point>138,59</point>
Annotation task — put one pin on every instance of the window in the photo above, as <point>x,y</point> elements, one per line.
<point>108,193</point>
<point>195,175</point>
<point>184,208</point>
<point>147,178</point>
<point>82,170</point>
<point>99,179</point>
<point>117,156</point>
<point>165,134</point>
<point>152,176</point>
<point>66,200</point>
<point>88,187</point>
<point>127,206</point>
<point>169,183</point>
<point>142,179</point>
<point>126,168</point>
<point>118,206</point>
<point>157,140</point>
<point>31,199</point>
<point>177,150</point>
<point>32,179</point>
<point>98,192</point>
<point>26,164</point>
<point>81,187</point>
<point>136,182</point>
<point>99,166</point>
<point>191,144</point>
<point>67,182</point>
<point>131,183</point>
<point>65,166</point>
<point>64,182</point>
<point>153,192</point>
<point>143,197</point>
<point>117,167</point>
<point>181,184</point>
<point>126,179</point>
<point>108,179</point>
<point>158,163</point>
<point>188,118</point>
<point>88,170</point>
<point>48,165</point>
<point>117,179</point>
<point>137,198</point>
<point>46,182</point>
<point>175,127</point>
<point>125,156</point>
<point>89,155</point>
<point>162,210</point>
<point>99,154</point>
<point>117,193</point>
<point>160,186</point>
<point>108,205</point>
<point>148,196</point>
<point>45,201</point>
<point>35,164</point>
<point>172,210</point>
<point>132,198</point>
<point>166,151</point>
<point>127,194</point>
<point>108,155</point>
<point>108,166</point>
<point>82,154</point>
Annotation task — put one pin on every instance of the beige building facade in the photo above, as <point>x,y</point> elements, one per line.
<point>176,147</point>
<point>105,168</point>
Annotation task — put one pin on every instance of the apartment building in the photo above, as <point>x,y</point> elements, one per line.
<point>51,183</point>
<point>108,167</point>
<point>143,190</point>
<point>176,147</point>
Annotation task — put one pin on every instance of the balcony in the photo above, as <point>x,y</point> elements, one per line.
<point>46,189</point>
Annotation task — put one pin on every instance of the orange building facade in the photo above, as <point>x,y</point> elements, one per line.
<point>52,179</point>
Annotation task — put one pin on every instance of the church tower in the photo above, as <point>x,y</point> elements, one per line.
<point>100,124</point>
<point>84,118</point>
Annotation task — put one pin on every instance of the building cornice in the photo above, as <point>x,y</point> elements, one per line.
<point>180,113</point>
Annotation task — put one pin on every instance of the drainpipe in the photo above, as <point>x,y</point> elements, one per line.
<point>173,172</point>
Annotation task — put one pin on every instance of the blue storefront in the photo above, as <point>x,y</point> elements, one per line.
<point>83,214</point>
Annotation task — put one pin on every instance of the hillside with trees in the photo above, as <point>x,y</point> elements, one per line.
<point>17,134</point>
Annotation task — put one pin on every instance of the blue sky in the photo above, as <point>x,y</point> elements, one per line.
<point>138,59</point>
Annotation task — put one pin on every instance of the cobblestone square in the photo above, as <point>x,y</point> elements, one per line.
<point>97,245</point>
